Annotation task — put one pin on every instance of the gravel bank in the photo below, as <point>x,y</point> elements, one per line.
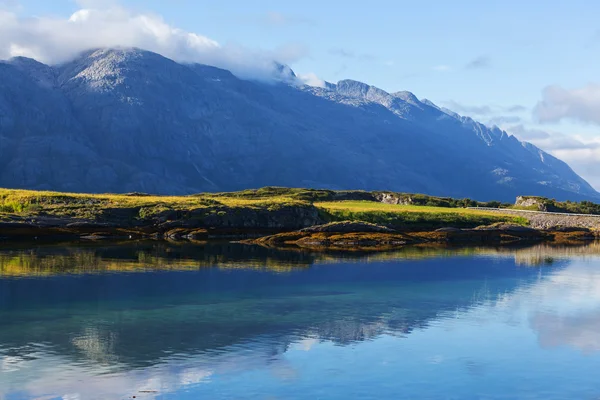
<point>544,220</point>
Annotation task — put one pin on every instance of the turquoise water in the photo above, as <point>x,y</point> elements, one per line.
<point>236,322</point>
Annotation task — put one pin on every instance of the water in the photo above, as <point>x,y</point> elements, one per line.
<point>231,321</point>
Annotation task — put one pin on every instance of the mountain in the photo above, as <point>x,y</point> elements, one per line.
<point>122,120</point>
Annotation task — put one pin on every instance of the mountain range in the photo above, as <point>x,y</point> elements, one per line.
<point>124,120</point>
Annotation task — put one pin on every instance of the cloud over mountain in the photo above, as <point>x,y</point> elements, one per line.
<point>55,40</point>
<point>558,103</point>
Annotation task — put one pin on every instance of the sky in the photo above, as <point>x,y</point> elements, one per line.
<point>529,67</point>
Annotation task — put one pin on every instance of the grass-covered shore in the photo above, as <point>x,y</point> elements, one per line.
<point>414,216</point>
<point>398,218</point>
<point>136,209</point>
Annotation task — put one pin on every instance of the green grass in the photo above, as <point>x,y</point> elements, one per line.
<point>90,206</point>
<point>413,216</point>
<point>135,206</point>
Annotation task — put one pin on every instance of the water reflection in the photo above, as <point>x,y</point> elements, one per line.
<point>229,320</point>
<point>34,260</point>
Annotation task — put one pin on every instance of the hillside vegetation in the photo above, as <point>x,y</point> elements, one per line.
<point>411,215</point>
<point>247,208</point>
<point>534,203</point>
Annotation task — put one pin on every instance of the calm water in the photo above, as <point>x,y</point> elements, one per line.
<point>237,322</point>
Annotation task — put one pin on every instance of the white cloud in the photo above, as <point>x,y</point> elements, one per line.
<point>55,40</point>
<point>503,120</point>
<point>581,104</point>
<point>581,152</point>
<point>311,79</point>
<point>584,161</point>
<point>554,141</point>
<point>563,307</point>
<point>494,111</point>
<point>523,133</point>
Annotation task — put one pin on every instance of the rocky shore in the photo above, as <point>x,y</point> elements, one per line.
<point>192,224</point>
<point>294,225</point>
<point>361,236</point>
<point>280,217</point>
<point>551,220</point>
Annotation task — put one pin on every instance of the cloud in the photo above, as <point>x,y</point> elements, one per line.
<point>311,79</point>
<point>516,108</point>
<point>581,104</point>
<point>289,53</point>
<point>466,109</point>
<point>528,134</point>
<point>483,110</point>
<point>343,53</point>
<point>9,5</point>
<point>550,140</point>
<point>584,161</point>
<point>481,62</point>
<point>580,152</point>
<point>578,331</point>
<point>55,40</point>
<point>504,120</point>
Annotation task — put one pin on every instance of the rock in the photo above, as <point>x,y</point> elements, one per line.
<point>449,229</point>
<point>87,224</point>
<point>537,203</point>
<point>201,234</point>
<point>137,194</point>
<point>394,198</point>
<point>176,234</point>
<point>506,228</point>
<point>568,229</point>
<point>348,227</point>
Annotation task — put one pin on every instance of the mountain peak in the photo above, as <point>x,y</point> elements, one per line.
<point>23,61</point>
<point>108,67</point>
<point>283,73</point>
<point>430,103</point>
<point>407,96</point>
<point>123,120</point>
<point>42,74</point>
<point>352,88</point>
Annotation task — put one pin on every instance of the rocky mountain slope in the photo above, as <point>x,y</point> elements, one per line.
<point>131,120</point>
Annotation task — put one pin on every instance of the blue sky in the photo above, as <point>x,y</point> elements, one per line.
<point>530,67</point>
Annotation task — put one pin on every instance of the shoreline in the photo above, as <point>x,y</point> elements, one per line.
<point>344,235</point>
<point>307,218</point>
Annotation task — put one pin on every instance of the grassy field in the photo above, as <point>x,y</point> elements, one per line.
<point>138,206</point>
<point>88,206</point>
<point>408,215</point>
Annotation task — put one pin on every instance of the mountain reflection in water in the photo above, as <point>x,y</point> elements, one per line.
<point>229,320</point>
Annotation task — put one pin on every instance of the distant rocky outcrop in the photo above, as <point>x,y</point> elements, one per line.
<point>532,203</point>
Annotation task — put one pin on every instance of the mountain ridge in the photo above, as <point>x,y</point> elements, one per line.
<point>123,120</point>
